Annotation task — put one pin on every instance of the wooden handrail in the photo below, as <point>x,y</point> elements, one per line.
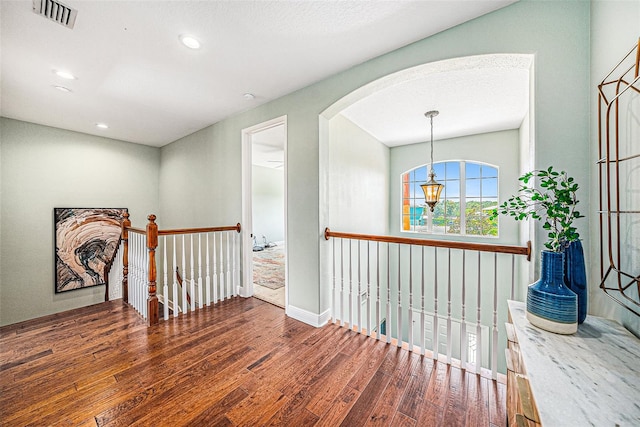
<point>136,230</point>
<point>483,247</point>
<point>236,227</point>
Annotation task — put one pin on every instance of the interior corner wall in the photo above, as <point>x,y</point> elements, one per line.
<point>43,168</point>
<point>268,204</point>
<point>556,32</point>
<point>358,180</point>
<point>615,28</point>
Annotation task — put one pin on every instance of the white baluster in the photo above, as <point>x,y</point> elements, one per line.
<point>378,291</point>
<point>422,337</point>
<point>132,269</point>
<point>342,316</point>
<point>368,290</point>
<point>192,282</point>
<point>145,276</point>
<point>399,306</point>
<point>215,269</point>
<point>174,270</point>
<point>145,288</point>
<point>350,285</point>
<point>234,273</point>
<point>333,280</point>
<point>410,297</point>
<point>184,279</point>
<point>200,300</point>
<point>388,328</point>
<point>208,278</point>
<point>228,268</point>
<point>494,350</point>
<point>464,338</point>
<point>165,289</point>
<point>478,320</point>
<point>449,339</point>
<point>513,276</point>
<point>222,281</point>
<point>359,297</point>
<point>436,333</point>
<point>136,281</point>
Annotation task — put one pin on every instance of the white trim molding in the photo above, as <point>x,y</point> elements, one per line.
<point>313,319</point>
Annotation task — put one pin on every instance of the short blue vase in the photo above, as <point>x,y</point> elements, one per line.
<point>575,276</point>
<point>550,304</point>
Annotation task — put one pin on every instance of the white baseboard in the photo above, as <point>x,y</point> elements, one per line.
<point>313,319</point>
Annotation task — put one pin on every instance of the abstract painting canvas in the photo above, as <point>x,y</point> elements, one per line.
<point>86,241</point>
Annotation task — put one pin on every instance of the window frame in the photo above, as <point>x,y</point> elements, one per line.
<point>462,199</point>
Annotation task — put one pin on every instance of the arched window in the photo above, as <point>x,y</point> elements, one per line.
<point>470,193</point>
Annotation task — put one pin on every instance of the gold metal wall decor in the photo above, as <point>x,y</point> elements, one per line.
<point>619,177</point>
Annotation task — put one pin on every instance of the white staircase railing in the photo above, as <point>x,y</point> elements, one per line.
<point>199,268</point>
<point>436,297</point>
<point>211,274</point>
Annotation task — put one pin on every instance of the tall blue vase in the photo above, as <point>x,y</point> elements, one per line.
<point>550,304</point>
<point>575,276</point>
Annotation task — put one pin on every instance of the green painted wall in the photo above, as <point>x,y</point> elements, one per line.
<point>358,180</point>
<point>42,168</point>
<point>199,176</point>
<point>557,33</point>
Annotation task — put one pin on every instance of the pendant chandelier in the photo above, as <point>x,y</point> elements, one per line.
<point>431,188</point>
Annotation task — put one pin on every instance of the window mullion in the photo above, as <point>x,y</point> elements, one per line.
<point>463,198</point>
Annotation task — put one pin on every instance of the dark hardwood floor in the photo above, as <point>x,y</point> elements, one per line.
<point>242,363</point>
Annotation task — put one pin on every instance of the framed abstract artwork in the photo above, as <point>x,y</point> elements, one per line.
<point>86,242</point>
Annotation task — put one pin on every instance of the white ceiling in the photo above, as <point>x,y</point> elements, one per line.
<point>475,94</point>
<point>134,74</point>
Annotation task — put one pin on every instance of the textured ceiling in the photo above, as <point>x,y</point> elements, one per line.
<point>134,74</point>
<point>476,94</point>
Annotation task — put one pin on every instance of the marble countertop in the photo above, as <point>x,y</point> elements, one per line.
<point>590,378</point>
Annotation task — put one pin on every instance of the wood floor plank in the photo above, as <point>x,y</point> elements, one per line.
<point>417,388</point>
<point>367,400</point>
<point>401,420</point>
<point>323,398</point>
<point>397,364</point>
<point>339,408</point>
<point>478,401</point>
<point>240,362</point>
<point>455,411</point>
<point>497,409</point>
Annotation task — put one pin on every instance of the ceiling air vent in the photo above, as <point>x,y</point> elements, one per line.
<point>56,11</point>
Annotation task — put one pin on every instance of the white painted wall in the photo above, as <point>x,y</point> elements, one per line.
<point>268,204</point>
<point>358,180</point>
<point>615,28</point>
<point>43,168</point>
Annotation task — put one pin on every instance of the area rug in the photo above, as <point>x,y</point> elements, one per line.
<point>268,267</point>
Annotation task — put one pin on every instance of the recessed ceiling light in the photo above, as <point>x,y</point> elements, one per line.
<point>102,126</point>
<point>63,89</point>
<point>65,75</point>
<point>249,96</point>
<point>190,41</point>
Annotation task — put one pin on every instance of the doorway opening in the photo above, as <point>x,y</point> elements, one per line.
<point>264,211</point>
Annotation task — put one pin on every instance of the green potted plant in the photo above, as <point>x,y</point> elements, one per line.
<point>552,302</point>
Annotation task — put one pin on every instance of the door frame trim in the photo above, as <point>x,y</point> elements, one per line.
<point>247,209</point>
